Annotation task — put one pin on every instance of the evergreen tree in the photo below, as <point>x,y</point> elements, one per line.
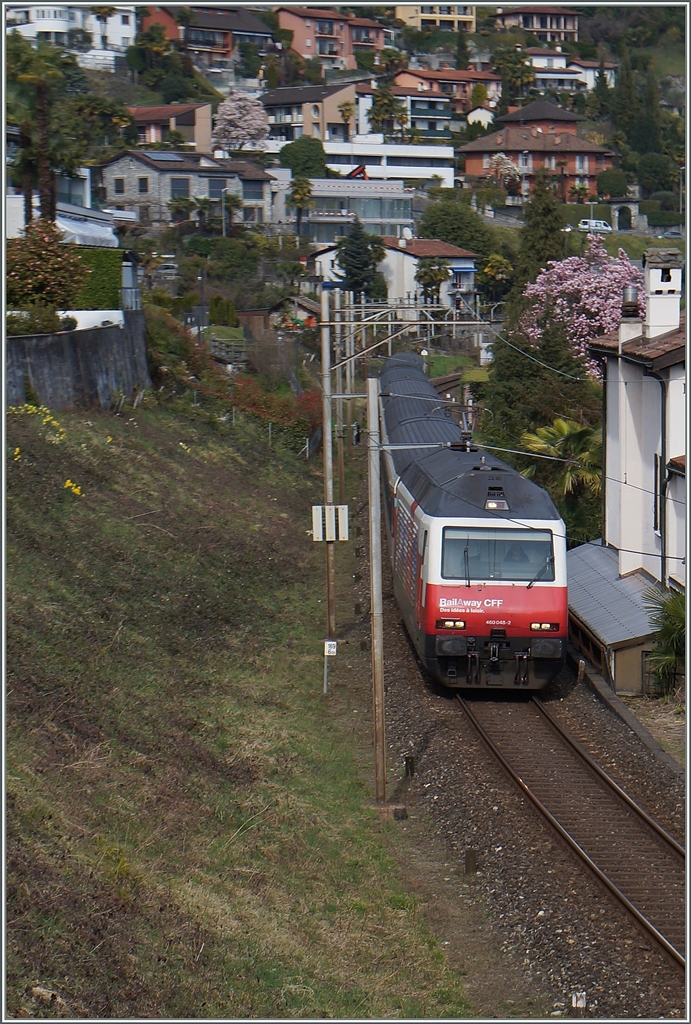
<point>645,136</point>
<point>358,256</point>
<point>602,90</point>
<point>522,395</point>
<point>454,222</point>
<point>503,107</point>
<point>305,157</point>
<point>541,236</point>
<point>462,55</point>
<point>625,107</point>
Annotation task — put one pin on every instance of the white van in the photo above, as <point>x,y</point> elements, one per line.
<point>595,227</point>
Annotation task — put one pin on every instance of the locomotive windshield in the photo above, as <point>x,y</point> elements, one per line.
<point>470,553</point>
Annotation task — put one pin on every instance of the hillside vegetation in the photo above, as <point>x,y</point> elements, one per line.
<point>187,831</point>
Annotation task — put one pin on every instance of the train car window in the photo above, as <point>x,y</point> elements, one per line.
<point>481,554</point>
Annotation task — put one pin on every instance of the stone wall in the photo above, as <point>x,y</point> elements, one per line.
<point>79,368</point>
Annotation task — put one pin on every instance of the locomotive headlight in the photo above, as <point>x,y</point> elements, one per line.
<point>545,627</point>
<point>450,624</point>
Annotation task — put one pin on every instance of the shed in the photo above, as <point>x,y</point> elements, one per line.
<point>608,622</point>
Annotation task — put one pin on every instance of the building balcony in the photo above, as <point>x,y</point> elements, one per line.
<point>434,133</point>
<point>435,114</point>
<point>285,118</point>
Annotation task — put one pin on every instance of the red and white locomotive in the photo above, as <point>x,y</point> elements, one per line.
<point>478,551</point>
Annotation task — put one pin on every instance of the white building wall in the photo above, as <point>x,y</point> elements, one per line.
<point>363,151</point>
<point>676,529</point>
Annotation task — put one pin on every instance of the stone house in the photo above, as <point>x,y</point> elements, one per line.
<point>145,181</point>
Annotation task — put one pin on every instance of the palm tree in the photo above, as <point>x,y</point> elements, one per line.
<point>181,207</point>
<point>667,613</point>
<point>579,193</point>
<point>430,275</point>
<point>300,197</point>
<point>202,207</point>
<point>102,14</point>
<point>386,108</point>
<point>347,112</point>
<point>231,202</point>
<point>37,74</point>
<point>580,445</point>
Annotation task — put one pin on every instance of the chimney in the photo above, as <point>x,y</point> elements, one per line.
<point>662,272</point>
<point>402,243</point>
<point>630,325</point>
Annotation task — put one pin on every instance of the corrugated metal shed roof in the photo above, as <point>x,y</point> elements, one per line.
<point>610,606</point>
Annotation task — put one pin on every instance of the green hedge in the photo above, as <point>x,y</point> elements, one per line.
<point>573,212</point>
<point>665,219</point>
<point>102,290</point>
<point>648,206</point>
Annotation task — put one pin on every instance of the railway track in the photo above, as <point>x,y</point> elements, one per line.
<point>641,865</point>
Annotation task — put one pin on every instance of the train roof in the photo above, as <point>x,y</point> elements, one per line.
<point>455,484</point>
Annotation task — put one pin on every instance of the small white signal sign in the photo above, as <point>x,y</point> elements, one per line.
<point>330,648</point>
<point>329,522</point>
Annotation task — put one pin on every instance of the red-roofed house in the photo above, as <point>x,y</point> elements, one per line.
<point>458,85</point>
<point>401,262</point>
<point>540,135</point>
<point>192,120</point>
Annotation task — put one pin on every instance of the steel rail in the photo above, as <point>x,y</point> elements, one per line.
<point>677,847</point>
<point>580,852</point>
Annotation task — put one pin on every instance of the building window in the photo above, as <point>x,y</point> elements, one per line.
<point>315,111</point>
<point>119,186</point>
<point>485,160</point>
<point>144,214</point>
<point>253,191</point>
<point>179,187</point>
<point>551,162</point>
<point>143,184</point>
<point>124,19</point>
<point>216,187</point>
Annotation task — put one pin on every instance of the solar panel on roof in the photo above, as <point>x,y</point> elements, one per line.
<point>158,155</point>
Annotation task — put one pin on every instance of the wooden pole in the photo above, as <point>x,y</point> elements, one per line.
<point>339,400</point>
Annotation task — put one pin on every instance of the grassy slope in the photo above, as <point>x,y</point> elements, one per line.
<point>187,830</point>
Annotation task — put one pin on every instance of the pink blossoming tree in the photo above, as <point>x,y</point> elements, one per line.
<point>240,121</point>
<point>584,293</point>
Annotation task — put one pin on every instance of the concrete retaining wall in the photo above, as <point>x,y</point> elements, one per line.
<point>84,368</point>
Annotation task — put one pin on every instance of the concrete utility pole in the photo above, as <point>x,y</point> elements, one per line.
<point>339,399</point>
<point>327,445</point>
<point>377,610</point>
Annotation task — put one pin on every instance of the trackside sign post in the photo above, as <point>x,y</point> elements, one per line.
<point>329,522</point>
<point>330,651</point>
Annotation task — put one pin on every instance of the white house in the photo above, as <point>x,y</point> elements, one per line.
<point>400,265</point>
<point>643,538</point>
<point>588,71</point>
<point>483,115</point>
<point>58,24</point>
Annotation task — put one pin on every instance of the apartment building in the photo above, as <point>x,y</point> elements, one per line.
<point>215,33</point>
<point>331,36</point>
<point>314,110</point>
<point>383,207</point>
<point>429,116</point>
<point>308,110</point>
<point>549,24</point>
<point>457,85</point>
<point>445,17</point>
<point>59,25</point>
